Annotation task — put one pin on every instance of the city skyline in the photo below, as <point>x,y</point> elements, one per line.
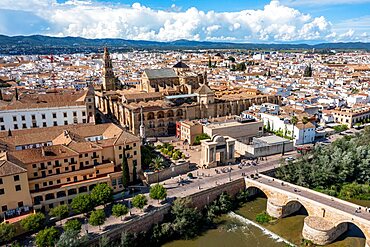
<point>284,21</point>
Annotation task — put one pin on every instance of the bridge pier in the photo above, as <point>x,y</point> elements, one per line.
<point>321,231</point>
<point>280,211</point>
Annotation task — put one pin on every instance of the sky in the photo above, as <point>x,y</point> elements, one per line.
<point>243,21</point>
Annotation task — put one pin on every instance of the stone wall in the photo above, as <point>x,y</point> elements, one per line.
<point>173,171</point>
<point>203,198</point>
<point>136,225</point>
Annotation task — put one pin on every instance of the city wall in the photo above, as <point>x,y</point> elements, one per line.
<point>173,171</point>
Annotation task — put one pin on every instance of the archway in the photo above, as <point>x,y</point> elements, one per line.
<point>294,208</point>
<point>354,236</point>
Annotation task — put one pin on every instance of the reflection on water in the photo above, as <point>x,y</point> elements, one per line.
<point>233,230</point>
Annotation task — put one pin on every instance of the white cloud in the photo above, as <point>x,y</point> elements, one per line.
<point>275,22</point>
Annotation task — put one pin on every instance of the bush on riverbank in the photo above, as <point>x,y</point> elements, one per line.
<point>263,218</point>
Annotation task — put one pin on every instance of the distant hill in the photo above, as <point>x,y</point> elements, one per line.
<point>39,44</point>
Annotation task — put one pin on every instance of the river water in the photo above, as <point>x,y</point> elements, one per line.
<point>238,229</point>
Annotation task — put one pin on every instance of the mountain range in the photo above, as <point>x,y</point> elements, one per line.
<point>35,43</point>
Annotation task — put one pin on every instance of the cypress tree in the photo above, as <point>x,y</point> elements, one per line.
<point>125,171</point>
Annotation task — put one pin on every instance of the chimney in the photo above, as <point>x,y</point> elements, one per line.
<point>43,151</point>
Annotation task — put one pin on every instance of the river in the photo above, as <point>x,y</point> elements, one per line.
<point>237,229</point>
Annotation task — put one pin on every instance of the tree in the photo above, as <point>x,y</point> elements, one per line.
<point>119,210</point>
<point>61,211</point>
<point>73,225</point>
<point>201,137</point>
<point>125,171</point>
<point>70,238</point>
<point>82,203</point>
<point>231,59</point>
<point>209,62</point>
<point>33,222</point>
<point>102,194</point>
<point>308,71</point>
<point>139,201</point>
<point>186,218</point>
<point>293,121</point>
<point>158,192</point>
<point>97,218</point>
<point>157,165</point>
<point>7,232</point>
<point>47,237</point>
<point>304,121</point>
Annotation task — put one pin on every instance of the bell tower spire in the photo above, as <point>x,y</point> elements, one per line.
<point>142,127</point>
<point>109,80</point>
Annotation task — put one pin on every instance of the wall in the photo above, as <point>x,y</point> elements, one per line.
<point>173,171</point>
<point>254,150</point>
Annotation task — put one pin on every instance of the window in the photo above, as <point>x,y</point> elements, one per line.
<point>43,124</point>
<point>43,116</point>
<point>44,184</point>
<point>86,155</point>
<point>64,114</point>
<point>75,114</point>
<point>58,181</point>
<point>135,152</point>
<point>54,115</point>
<point>18,187</point>
<point>4,208</point>
<point>23,118</point>
<point>66,169</point>
<point>33,117</point>
<point>24,126</point>
<point>50,182</point>
<point>1,181</point>
<point>16,178</point>
<point>35,174</point>
<point>134,144</point>
<point>57,162</point>
<point>55,123</point>
<point>15,118</point>
<point>2,192</point>
<point>65,122</point>
<point>58,171</point>
<point>120,156</point>
<point>34,125</point>
<point>83,113</point>
<point>65,160</point>
<point>15,126</point>
<point>2,127</point>
<point>50,171</point>
<point>68,179</point>
<point>1,119</point>
<point>83,120</point>
<point>20,204</point>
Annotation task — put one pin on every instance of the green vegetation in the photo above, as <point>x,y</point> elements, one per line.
<point>102,194</point>
<point>238,67</point>
<point>47,237</point>
<point>341,169</point>
<point>82,204</point>
<point>33,222</point>
<point>307,71</point>
<point>7,232</point>
<point>170,151</point>
<point>119,210</point>
<point>97,218</point>
<point>263,218</point>
<point>125,171</point>
<point>340,128</point>
<point>73,225</point>
<point>158,192</point>
<point>139,201</point>
<point>70,238</point>
<point>201,137</point>
<point>147,155</point>
<point>60,212</point>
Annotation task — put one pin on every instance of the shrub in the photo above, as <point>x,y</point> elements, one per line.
<point>33,222</point>
<point>47,237</point>
<point>263,218</point>
<point>72,225</point>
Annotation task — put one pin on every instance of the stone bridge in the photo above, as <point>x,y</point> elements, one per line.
<point>327,218</point>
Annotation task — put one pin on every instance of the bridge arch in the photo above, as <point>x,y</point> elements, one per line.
<point>254,191</point>
<point>356,229</point>
<point>293,206</point>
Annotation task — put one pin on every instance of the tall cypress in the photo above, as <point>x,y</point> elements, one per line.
<point>125,171</point>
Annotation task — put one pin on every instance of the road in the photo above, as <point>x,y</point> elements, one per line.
<point>307,193</point>
<point>209,178</point>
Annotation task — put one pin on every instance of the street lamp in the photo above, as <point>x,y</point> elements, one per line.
<point>229,172</point>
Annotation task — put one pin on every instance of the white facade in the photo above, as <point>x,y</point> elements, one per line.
<point>42,117</point>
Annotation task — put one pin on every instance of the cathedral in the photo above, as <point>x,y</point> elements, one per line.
<point>166,96</point>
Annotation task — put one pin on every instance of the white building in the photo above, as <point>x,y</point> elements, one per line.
<point>46,110</point>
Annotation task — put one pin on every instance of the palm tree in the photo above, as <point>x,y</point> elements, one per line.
<point>294,121</point>
<point>304,121</point>
<point>157,165</point>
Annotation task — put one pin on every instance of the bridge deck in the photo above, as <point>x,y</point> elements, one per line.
<point>309,194</point>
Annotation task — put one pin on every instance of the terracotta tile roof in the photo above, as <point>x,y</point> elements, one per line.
<point>35,155</point>
<point>8,168</point>
<point>84,147</point>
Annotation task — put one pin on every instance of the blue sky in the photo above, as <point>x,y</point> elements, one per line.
<point>264,21</point>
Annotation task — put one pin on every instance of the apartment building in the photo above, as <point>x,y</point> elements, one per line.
<point>351,116</point>
<point>68,161</point>
<point>45,110</point>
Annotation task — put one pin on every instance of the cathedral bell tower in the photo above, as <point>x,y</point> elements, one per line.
<point>109,80</point>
